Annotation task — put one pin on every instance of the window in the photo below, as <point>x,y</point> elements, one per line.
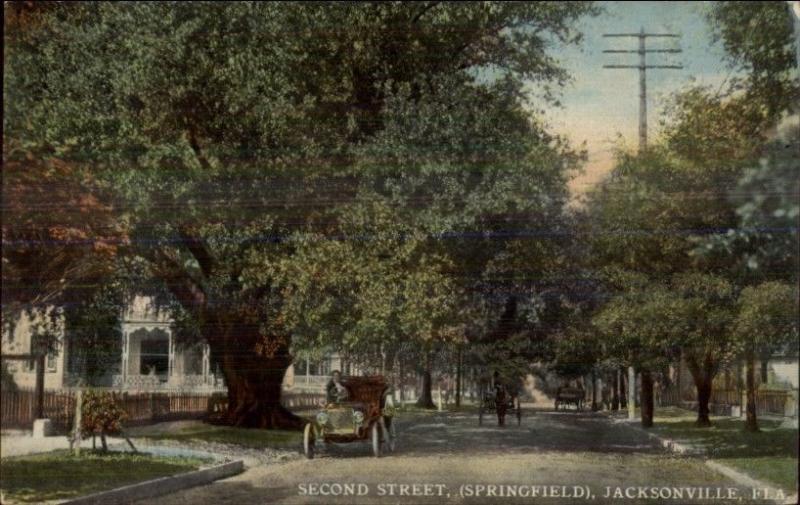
<point>51,362</point>
<point>154,354</point>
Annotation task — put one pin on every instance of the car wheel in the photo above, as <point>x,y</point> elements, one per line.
<point>308,441</point>
<point>390,433</point>
<point>375,435</point>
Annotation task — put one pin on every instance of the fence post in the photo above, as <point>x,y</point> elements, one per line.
<point>40,386</point>
<point>76,429</point>
<point>152,402</point>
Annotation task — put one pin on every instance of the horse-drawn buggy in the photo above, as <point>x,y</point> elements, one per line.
<point>366,416</point>
<point>570,396</point>
<point>500,399</point>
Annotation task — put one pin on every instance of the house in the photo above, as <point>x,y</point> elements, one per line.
<point>776,378</point>
<point>148,358</point>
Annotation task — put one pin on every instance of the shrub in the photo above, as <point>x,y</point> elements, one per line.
<point>101,414</point>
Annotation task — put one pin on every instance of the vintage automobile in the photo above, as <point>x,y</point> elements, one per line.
<point>489,405</point>
<point>366,416</point>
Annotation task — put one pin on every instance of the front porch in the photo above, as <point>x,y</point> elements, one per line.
<point>152,360</point>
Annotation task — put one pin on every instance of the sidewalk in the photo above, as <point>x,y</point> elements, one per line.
<point>20,443</point>
<point>689,449</point>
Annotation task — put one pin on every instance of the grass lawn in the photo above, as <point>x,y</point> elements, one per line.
<point>59,475</point>
<point>778,470</point>
<point>770,454</point>
<point>258,439</point>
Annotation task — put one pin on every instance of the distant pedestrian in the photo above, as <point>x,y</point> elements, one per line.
<point>500,399</point>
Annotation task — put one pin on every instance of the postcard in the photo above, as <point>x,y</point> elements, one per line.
<point>400,252</point>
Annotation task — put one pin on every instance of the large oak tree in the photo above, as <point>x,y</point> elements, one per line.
<point>221,135</point>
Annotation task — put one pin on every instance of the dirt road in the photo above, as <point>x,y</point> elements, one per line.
<point>552,457</point>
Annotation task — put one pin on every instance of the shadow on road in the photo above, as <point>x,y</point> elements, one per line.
<point>443,433</point>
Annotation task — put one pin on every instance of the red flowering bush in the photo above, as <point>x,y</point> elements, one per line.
<point>100,414</point>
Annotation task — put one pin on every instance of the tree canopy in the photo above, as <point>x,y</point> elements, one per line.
<point>284,167</point>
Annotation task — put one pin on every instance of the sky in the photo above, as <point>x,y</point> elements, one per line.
<point>601,106</point>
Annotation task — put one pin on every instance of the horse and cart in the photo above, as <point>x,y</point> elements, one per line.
<point>501,402</point>
<point>570,396</point>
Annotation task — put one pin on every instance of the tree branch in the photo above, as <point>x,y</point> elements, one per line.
<point>198,152</point>
<point>198,248</point>
<point>187,290</point>
<point>425,8</point>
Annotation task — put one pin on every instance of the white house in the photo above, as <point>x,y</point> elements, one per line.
<point>150,358</point>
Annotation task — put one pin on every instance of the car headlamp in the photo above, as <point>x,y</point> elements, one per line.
<point>358,417</point>
<point>322,418</point>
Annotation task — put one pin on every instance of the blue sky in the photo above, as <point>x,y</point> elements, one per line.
<point>600,106</point>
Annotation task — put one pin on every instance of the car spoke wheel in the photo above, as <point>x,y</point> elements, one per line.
<point>375,433</point>
<point>308,441</point>
<point>390,435</point>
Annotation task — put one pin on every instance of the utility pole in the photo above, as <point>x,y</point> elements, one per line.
<point>642,66</point>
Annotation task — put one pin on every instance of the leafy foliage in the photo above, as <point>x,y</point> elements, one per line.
<point>758,37</point>
<point>301,174</point>
<point>767,317</point>
<point>100,414</point>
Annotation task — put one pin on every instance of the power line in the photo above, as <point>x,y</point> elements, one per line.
<point>642,66</point>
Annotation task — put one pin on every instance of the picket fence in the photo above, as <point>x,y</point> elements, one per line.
<point>18,407</point>
<point>768,401</point>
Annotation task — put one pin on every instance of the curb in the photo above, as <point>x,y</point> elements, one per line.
<point>742,478</point>
<point>160,486</point>
<point>739,477</point>
<point>670,444</point>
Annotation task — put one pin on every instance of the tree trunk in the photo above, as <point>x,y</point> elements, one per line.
<point>594,391</point>
<point>751,420</point>
<point>647,399</point>
<point>623,396</point>
<point>254,383</point>
<point>254,397</point>
<point>425,399</point>
<point>615,392</point>
<point>703,384</point>
<point>703,377</point>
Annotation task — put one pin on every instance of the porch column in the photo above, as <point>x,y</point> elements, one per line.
<point>126,343</point>
<point>171,359</point>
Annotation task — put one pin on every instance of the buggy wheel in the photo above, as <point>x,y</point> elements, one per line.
<point>308,441</point>
<point>375,436</point>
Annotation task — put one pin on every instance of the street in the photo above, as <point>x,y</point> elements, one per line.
<point>446,457</point>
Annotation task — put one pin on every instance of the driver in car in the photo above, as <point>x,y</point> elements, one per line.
<point>336,391</point>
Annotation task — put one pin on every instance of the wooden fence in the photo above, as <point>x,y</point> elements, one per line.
<point>772,402</point>
<point>147,408</point>
<point>19,407</point>
<point>768,401</point>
